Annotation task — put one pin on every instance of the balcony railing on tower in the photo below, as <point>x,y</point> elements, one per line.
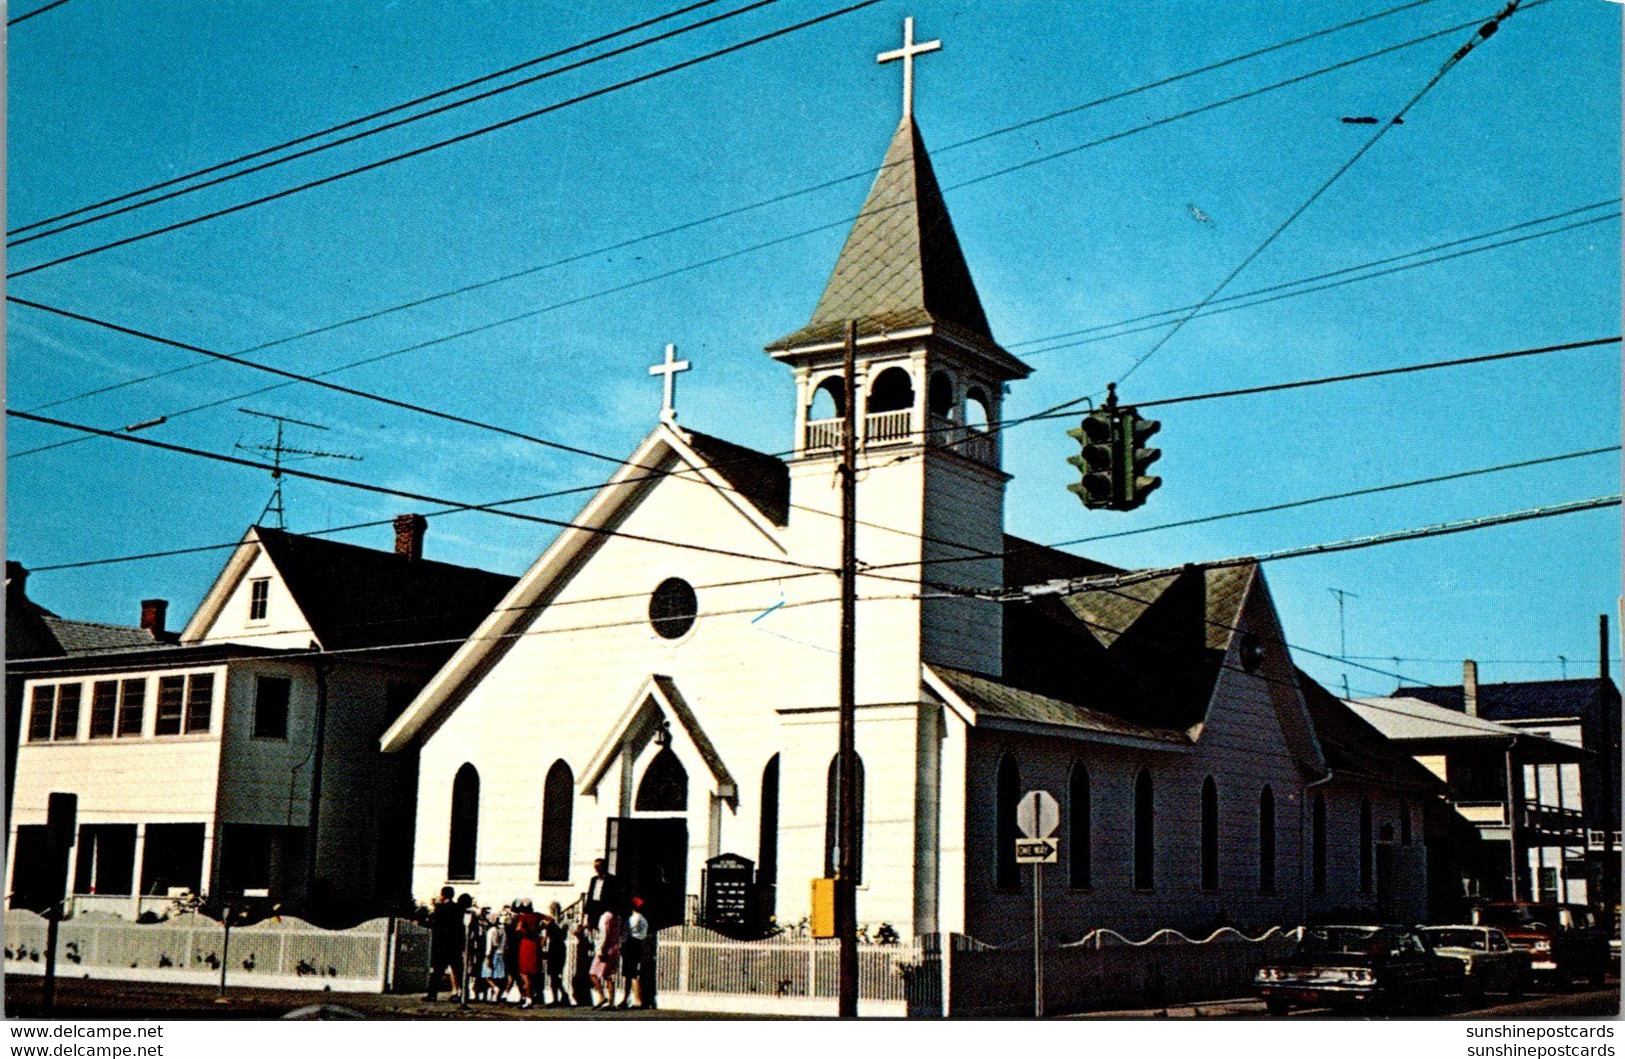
<point>883,428</point>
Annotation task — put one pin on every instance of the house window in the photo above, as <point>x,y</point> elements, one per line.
<point>1078,829</point>
<point>105,859</point>
<point>767,832</point>
<point>1365,845</point>
<point>832,820</point>
<point>1210,834</point>
<point>463,841</point>
<point>259,598</point>
<point>171,706</point>
<point>1317,842</point>
<point>67,711</point>
<point>271,707</point>
<point>39,715</point>
<point>199,702</point>
<point>1007,795</point>
<point>132,703</point>
<point>558,805</point>
<point>103,709</point>
<point>1266,840</point>
<point>54,712</point>
<point>1145,832</point>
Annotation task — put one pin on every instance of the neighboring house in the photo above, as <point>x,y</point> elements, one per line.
<point>1524,822</point>
<point>244,759</point>
<point>1584,790</point>
<point>660,705</point>
<point>32,632</point>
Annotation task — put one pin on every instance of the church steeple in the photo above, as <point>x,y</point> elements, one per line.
<point>901,267</point>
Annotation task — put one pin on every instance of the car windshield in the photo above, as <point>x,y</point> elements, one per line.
<point>1515,916</point>
<point>1321,940</point>
<point>1458,938</point>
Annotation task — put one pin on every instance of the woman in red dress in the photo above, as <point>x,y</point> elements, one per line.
<point>528,928</point>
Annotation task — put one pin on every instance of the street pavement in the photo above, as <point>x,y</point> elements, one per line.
<point>90,999</point>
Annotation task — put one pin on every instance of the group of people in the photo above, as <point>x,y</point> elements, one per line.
<point>492,955</point>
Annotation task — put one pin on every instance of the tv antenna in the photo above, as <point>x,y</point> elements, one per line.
<point>1342,634</point>
<point>281,453</point>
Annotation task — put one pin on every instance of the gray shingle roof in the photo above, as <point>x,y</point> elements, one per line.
<point>86,637</point>
<point>994,698</point>
<point>901,266</point>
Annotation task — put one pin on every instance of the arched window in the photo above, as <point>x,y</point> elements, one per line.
<point>1078,835</point>
<point>832,822</point>
<point>1405,824</point>
<point>828,401</point>
<point>978,409</point>
<point>1317,844</point>
<point>664,788</point>
<point>892,391</point>
<point>1007,794</point>
<point>1266,840</point>
<point>939,395</point>
<point>767,842</point>
<point>558,805</point>
<point>1145,833</point>
<point>1365,845</point>
<point>1210,834</point>
<point>463,845</point>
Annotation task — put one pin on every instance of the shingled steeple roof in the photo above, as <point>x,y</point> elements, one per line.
<point>901,267</point>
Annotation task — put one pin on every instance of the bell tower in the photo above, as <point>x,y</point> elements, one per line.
<point>930,384</point>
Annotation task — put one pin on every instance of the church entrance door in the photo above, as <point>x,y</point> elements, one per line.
<point>649,855</point>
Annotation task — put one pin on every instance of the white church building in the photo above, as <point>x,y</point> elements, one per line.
<point>659,704</point>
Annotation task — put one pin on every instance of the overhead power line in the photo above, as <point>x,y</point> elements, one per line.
<point>670,273</point>
<point>389,126</point>
<point>1027,123</point>
<point>408,495</point>
<point>559,54</point>
<point>1485,31</point>
<point>449,141</point>
<point>1323,380</point>
<point>1093,331</point>
<point>36,11</point>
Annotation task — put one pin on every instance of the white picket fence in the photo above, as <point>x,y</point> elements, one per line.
<point>284,953</point>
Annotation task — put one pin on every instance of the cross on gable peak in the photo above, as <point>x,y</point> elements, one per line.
<point>669,368</point>
<point>907,53</point>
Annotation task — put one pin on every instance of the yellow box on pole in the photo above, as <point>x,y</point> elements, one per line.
<point>821,923</point>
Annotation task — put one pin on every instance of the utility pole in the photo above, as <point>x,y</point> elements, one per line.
<point>1342,634</point>
<point>279,454</point>
<point>846,893</point>
<point>1609,773</point>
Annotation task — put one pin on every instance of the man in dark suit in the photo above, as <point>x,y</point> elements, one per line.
<point>603,894</point>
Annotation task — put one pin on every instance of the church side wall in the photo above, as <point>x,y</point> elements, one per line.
<point>964,505</point>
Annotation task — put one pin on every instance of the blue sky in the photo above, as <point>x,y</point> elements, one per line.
<point>109,95</point>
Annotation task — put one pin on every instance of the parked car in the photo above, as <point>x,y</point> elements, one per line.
<point>1490,962</point>
<point>1375,968</point>
<point>1562,940</point>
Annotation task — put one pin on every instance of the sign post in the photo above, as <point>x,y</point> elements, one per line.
<point>1038,815</point>
<point>61,815</point>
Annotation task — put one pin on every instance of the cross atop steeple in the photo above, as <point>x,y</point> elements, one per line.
<point>907,53</point>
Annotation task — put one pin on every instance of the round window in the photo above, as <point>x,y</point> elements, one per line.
<point>673,608</point>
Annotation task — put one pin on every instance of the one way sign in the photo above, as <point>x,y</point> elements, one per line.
<point>1036,850</point>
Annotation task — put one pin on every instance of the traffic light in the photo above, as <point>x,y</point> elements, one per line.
<point>1098,436</point>
<point>1136,484</point>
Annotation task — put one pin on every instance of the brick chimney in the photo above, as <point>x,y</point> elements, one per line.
<point>409,530</point>
<point>153,613</point>
<point>1469,687</point>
